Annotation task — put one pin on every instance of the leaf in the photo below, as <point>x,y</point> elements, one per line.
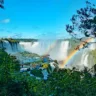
<point>1,6</point>
<point>86,34</point>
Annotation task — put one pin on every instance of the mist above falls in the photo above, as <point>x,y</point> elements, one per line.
<point>56,49</point>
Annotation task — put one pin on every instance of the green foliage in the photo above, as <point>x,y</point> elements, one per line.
<point>37,73</point>
<point>12,40</point>
<point>70,83</point>
<point>83,23</point>
<point>7,66</point>
<point>27,54</point>
<point>64,82</point>
<point>1,4</point>
<point>27,40</point>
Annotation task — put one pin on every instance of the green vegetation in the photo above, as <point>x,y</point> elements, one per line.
<point>37,73</point>
<point>82,22</point>
<point>60,83</point>
<point>12,40</point>
<point>18,40</point>
<point>27,54</point>
<point>9,40</point>
<point>27,40</point>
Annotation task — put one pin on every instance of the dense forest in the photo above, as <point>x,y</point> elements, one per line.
<point>63,82</point>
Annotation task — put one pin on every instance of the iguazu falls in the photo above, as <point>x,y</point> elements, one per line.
<point>48,48</point>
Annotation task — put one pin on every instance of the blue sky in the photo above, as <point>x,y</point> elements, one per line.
<point>37,18</point>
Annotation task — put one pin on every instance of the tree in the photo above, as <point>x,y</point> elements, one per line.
<point>83,23</point>
<point>1,4</point>
<point>8,66</point>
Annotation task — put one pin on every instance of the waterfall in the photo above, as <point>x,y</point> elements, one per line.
<point>10,47</point>
<point>1,44</point>
<point>64,49</point>
<point>81,58</point>
<point>7,46</point>
<point>62,52</point>
<point>92,45</point>
<point>56,49</point>
<point>86,60</point>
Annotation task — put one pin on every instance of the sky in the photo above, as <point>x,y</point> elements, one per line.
<point>37,18</point>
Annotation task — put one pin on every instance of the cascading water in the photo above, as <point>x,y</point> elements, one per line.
<point>29,46</point>
<point>7,46</point>
<point>86,54</point>
<point>10,47</point>
<point>92,45</point>
<point>86,61</point>
<point>63,50</point>
<point>81,59</point>
<point>57,49</point>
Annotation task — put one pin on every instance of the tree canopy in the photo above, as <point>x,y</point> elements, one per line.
<point>1,4</point>
<point>83,23</point>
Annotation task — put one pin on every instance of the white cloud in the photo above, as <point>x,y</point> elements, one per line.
<point>5,21</point>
